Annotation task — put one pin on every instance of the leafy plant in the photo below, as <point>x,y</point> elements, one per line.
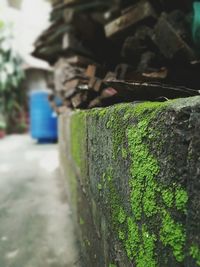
<point>10,73</point>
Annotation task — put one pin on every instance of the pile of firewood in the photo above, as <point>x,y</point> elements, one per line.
<point>110,51</point>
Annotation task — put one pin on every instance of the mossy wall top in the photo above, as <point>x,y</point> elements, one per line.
<point>138,166</point>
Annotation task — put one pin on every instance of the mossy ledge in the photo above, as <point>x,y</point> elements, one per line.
<point>141,162</point>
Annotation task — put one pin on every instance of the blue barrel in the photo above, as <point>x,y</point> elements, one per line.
<point>43,120</point>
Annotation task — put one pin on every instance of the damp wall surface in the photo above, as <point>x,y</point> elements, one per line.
<point>134,182</point>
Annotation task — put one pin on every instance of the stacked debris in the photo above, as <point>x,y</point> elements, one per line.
<point>112,51</point>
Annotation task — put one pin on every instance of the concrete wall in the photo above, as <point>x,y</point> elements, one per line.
<point>134,175</point>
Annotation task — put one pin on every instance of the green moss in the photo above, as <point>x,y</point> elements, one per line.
<point>179,195</point>
<point>133,238</point>
<point>195,253</point>
<point>79,139</point>
<point>143,187</point>
<point>87,242</point>
<point>145,191</point>
<point>121,215</point>
<point>173,234</point>
<point>168,197</point>
<point>99,112</point>
<point>144,167</point>
<point>152,107</point>
<point>149,222</point>
<point>121,235</point>
<point>99,186</point>
<point>181,199</point>
<point>81,221</point>
<point>124,153</point>
<point>116,124</point>
<point>108,175</point>
<point>146,249</point>
<point>112,265</point>
<point>118,214</point>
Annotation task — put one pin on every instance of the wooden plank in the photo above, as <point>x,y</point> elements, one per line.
<point>95,84</point>
<point>132,91</point>
<point>80,61</point>
<point>79,99</point>
<point>65,72</point>
<point>138,13</point>
<point>71,43</point>
<point>91,71</point>
<point>170,42</point>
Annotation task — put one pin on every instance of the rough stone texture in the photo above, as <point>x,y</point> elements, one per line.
<point>134,171</point>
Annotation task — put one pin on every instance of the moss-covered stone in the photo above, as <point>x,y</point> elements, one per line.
<point>79,139</point>
<point>140,165</point>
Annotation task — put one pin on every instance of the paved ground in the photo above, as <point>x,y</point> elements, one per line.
<point>35,219</point>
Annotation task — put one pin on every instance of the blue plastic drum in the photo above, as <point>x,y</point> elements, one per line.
<point>43,120</point>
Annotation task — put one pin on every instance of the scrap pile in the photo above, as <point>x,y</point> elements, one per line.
<point>110,51</point>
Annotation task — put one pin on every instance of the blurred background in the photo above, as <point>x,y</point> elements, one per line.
<point>19,71</point>
<point>91,53</point>
<point>62,55</point>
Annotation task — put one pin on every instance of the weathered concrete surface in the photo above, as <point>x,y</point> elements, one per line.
<point>135,176</point>
<point>35,218</point>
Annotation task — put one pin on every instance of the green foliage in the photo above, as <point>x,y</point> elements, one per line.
<point>10,76</point>
<point>10,63</point>
<point>2,123</point>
